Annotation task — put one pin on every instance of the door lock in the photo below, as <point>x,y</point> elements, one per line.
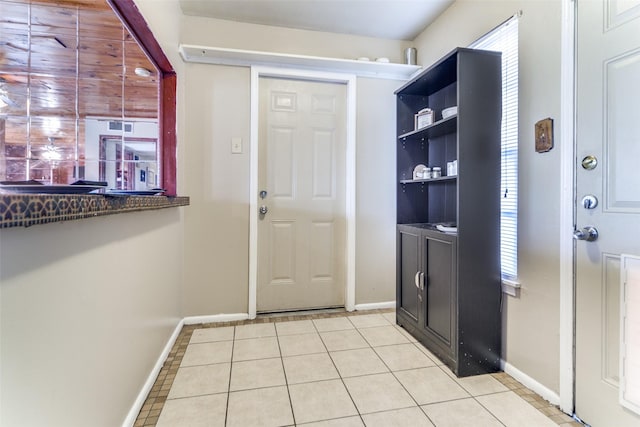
<point>589,201</point>
<point>589,162</point>
<point>263,210</point>
<point>589,234</point>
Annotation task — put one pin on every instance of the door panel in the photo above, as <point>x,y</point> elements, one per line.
<point>622,137</point>
<point>321,251</point>
<point>438,287</point>
<point>281,162</point>
<point>283,252</point>
<point>607,127</point>
<point>323,167</point>
<point>610,292</point>
<point>301,169</point>
<point>409,256</point>
<point>619,12</point>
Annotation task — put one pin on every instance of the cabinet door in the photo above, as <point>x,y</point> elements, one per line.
<point>408,267</point>
<point>440,286</point>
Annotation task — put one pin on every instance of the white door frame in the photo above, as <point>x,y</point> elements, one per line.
<point>567,207</point>
<point>350,178</point>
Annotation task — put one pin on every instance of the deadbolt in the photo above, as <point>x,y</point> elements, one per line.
<point>589,201</point>
<point>589,162</point>
<point>263,194</point>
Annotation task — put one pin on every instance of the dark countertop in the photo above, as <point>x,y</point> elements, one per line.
<point>25,210</point>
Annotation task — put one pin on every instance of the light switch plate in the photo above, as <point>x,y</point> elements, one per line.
<point>236,145</point>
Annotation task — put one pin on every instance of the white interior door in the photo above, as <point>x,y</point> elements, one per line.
<point>301,184</point>
<point>608,128</point>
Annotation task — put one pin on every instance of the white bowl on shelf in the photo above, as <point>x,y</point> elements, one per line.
<point>448,112</point>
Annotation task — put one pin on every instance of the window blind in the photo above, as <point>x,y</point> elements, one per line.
<point>504,39</point>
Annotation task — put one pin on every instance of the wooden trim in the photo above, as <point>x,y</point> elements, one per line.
<point>137,26</point>
<point>168,141</point>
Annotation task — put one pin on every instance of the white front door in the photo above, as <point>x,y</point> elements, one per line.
<point>301,184</point>
<point>607,132</point>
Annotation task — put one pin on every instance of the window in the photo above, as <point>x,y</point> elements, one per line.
<point>505,39</point>
<point>67,72</point>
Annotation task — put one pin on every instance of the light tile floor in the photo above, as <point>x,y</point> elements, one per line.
<point>340,370</point>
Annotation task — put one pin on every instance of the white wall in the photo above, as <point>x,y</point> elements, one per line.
<point>376,191</point>
<point>230,34</point>
<point>530,322</point>
<point>217,225</point>
<point>86,308</point>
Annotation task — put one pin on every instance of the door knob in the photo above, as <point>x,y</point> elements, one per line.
<point>263,210</point>
<point>590,234</point>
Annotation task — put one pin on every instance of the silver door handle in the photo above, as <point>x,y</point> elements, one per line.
<point>422,281</point>
<point>263,210</point>
<point>589,233</point>
<point>416,280</point>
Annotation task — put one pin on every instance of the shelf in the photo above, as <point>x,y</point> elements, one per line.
<point>439,128</point>
<point>442,178</point>
<point>247,58</point>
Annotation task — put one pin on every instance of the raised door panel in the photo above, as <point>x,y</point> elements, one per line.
<point>282,255</point>
<point>439,287</point>
<point>408,267</point>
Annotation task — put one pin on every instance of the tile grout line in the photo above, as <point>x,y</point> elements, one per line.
<point>338,371</point>
<point>157,397</point>
<point>284,372</point>
<point>233,347</point>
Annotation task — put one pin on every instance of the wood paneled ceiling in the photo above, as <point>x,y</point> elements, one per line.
<point>71,58</point>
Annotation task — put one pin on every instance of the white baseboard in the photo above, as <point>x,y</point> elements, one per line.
<point>151,379</point>
<point>546,393</point>
<point>215,318</point>
<point>375,305</point>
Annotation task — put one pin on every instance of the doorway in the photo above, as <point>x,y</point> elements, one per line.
<point>299,262</point>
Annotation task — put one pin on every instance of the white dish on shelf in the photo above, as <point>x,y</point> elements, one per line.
<point>448,112</point>
<point>383,60</point>
<point>418,171</point>
<point>446,229</point>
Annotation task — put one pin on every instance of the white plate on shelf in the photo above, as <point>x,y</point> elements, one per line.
<point>446,229</point>
<point>418,171</point>
<point>448,112</point>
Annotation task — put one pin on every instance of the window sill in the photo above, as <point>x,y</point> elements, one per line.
<point>511,287</point>
<point>25,210</point>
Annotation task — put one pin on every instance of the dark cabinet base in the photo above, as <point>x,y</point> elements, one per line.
<point>485,361</point>
<point>458,321</point>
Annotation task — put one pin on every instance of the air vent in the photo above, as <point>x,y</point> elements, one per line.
<point>117,125</point>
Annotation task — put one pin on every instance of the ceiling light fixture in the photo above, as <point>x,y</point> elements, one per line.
<point>143,72</point>
<point>51,152</point>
